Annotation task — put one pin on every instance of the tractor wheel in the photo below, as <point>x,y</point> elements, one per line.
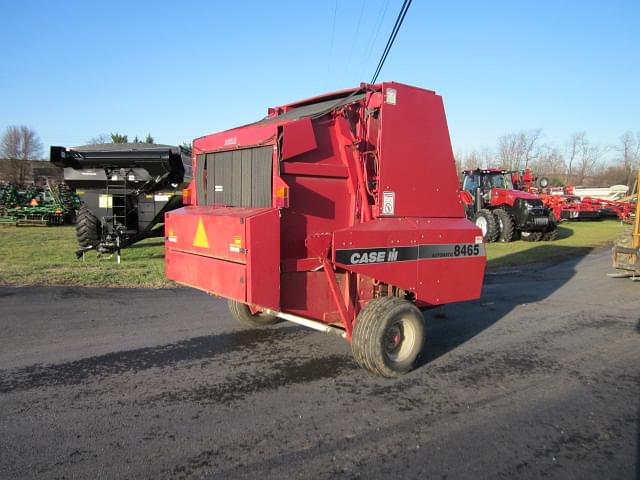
<point>486,222</point>
<point>550,236</point>
<point>505,222</point>
<point>531,236</point>
<point>87,228</point>
<point>388,336</point>
<point>240,311</point>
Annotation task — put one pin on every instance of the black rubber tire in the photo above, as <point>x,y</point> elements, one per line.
<point>381,318</point>
<point>87,228</point>
<point>532,236</point>
<point>542,182</point>
<point>491,234</point>
<point>550,236</point>
<point>506,228</point>
<point>552,232</point>
<point>240,311</point>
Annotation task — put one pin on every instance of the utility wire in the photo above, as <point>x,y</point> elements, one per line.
<point>333,31</point>
<point>374,35</point>
<point>394,32</point>
<point>355,39</point>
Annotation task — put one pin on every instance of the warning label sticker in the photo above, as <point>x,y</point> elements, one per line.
<point>388,203</point>
<point>201,239</point>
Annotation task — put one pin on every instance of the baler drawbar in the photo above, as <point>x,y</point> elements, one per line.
<point>341,213</point>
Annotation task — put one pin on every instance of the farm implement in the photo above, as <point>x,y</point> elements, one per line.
<point>125,189</point>
<point>340,213</point>
<point>53,205</point>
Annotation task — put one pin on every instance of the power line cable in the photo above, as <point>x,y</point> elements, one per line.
<point>333,31</point>
<point>355,39</point>
<point>374,35</point>
<point>394,32</point>
<point>395,26</point>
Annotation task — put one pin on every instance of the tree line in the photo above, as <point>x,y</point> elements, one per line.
<point>579,161</point>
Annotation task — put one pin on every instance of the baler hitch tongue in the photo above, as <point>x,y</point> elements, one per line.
<point>309,216</point>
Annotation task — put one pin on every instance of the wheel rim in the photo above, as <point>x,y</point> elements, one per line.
<point>525,234</point>
<point>481,222</point>
<point>400,340</point>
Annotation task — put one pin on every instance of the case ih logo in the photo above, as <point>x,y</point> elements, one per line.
<point>230,141</point>
<point>374,257</point>
<point>405,254</point>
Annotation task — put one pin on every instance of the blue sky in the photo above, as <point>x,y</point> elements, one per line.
<point>74,70</point>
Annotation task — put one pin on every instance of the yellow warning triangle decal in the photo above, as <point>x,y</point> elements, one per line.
<point>201,236</point>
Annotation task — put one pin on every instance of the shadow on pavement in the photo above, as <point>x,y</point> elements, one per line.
<point>194,349</point>
<point>452,325</point>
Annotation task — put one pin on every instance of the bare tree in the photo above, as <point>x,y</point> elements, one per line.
<point>587,161</point>
<point>629,150</point>
<point>574,147</point>
<point>100,139</point>
<point>550,163</point>
<point>517,150</point>
<point>20,143</point>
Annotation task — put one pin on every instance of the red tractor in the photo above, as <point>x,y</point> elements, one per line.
<point>503,213</point>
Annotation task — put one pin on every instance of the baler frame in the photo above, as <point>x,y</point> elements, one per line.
<point>360,249</point>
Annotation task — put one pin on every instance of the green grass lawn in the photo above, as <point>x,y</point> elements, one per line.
<point>45,256</point>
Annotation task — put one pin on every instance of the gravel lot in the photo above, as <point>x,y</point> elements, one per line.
<point>539,378</point>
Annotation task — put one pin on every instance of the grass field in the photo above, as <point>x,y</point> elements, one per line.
<point>45,256</point>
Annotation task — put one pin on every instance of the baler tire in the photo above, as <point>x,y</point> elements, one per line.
<point>87,228</point>
<point>491,225</point>
<point>531,236</point>
<point>240,311</point>
<point>505,225</point>
<point>380,319</point>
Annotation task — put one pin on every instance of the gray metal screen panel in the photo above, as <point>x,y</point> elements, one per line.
<point>245,185</point>
<point>201,193</point>
<point>261,177</point>
<point>211,179</point>
<point>240,178</point>
<point>236,179</point>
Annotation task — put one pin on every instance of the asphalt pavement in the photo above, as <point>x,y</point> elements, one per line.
<point>539,378</point>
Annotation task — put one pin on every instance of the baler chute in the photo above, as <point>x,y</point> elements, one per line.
<point>341,212</point>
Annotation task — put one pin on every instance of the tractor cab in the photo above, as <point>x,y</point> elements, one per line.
<point>486,180</point>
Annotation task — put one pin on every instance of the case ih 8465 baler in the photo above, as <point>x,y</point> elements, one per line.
<point>341,213</point>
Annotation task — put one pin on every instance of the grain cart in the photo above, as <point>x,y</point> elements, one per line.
<point>502,212</point>
<point>125,190</point>
<point>341,213</point>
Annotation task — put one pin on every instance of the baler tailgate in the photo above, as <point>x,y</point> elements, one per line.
<point>231,252</point>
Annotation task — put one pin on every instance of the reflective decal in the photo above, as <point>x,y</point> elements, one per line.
<point>360,256</point>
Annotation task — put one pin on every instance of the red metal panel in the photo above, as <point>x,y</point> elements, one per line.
<point>317,205</point>
<point>263,259</point>
<point>308,294</point>
<point>297,138</point>
<point>220,277</point>
<point>434,281</point>
<point>236,138</point>
<point>416,159</point>
<point>223,230</point>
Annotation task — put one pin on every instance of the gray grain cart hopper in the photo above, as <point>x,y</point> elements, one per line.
<point>125,188</point>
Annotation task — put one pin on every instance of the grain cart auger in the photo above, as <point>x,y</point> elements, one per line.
<point>341,213</point>
<point>125,189</point>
